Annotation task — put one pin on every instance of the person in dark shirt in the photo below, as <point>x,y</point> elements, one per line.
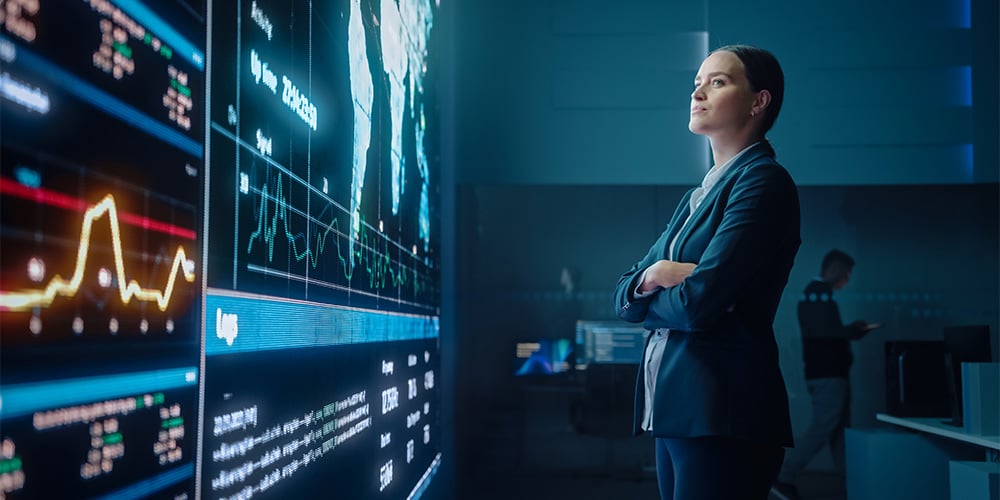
<point>826,351</point>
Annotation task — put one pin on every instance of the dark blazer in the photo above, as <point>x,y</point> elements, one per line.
<point>720,374</point>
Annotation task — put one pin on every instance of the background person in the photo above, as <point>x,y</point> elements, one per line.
<point>826,352</point>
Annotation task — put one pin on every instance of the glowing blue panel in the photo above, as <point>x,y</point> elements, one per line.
<point>27,398</point>
<point>181,45</point>
<point>964,81</point>
<point>248,324</point>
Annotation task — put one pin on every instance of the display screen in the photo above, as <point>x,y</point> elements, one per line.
<point>543,357</point>
<point>219,257</point>
<point>609,342</point>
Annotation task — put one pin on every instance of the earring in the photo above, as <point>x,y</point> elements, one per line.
<point>752,113</point>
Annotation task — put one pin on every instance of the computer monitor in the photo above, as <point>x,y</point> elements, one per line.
<point>963,344</point>
<point>608,342</point>
<point>916,379</point>
<point>543,357</point>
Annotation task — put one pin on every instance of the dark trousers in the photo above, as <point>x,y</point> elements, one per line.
<point>709,468</point>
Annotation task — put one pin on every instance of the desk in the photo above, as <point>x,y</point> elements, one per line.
<point>935,461</point>
<point>937,427</point>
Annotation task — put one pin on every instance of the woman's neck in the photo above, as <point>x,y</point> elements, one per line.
<point>722,152</point>
<point>727,143</point>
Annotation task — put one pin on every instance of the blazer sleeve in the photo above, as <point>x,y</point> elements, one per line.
<point>759,222</point>
<point>628,307</point>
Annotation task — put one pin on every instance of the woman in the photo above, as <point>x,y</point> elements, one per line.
<point>709,387</point>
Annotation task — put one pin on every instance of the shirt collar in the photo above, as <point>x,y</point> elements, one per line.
<point>716,172</point>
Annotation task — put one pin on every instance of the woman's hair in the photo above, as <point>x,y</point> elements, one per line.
<point>764,73</point>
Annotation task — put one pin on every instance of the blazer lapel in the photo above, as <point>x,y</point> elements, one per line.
<point>679,223</point>
<point>707,204</point>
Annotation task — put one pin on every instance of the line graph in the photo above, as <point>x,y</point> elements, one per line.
<point>127,290</point>
<point>372,254</point>
<point>326,214</point>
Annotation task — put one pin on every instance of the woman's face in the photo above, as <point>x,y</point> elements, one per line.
<point>722,99</point>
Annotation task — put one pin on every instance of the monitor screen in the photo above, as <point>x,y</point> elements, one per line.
<point>219,249</point>
<point>609,342</point>
<point>543,357</point>
<point>915,378</point>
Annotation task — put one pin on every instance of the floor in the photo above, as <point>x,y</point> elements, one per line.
<point>814,485</point>
<point>631,485</point>
<point>553,457</point>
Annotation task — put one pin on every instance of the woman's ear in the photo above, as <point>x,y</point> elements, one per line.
<point>760,102</point>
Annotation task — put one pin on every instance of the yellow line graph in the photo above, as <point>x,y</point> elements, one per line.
<point>26,299</point>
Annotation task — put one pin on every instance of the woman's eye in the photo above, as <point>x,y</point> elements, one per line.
<point>717,82</point>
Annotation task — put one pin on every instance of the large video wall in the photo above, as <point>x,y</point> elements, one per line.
<point>219,249</point>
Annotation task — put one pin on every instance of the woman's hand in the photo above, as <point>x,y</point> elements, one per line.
<point>665,274</point>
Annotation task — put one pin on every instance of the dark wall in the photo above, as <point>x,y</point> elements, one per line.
<point>585,92</point>
<point>927,257</point>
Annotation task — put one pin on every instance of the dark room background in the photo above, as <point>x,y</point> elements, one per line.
<point>571,150</point>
